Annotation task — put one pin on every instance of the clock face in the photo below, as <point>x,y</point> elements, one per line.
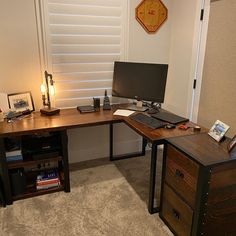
<point>151,14</point>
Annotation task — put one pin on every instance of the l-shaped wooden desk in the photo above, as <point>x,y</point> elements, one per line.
<point>71,118</point>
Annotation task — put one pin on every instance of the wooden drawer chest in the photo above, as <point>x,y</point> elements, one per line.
<point>199,187</point>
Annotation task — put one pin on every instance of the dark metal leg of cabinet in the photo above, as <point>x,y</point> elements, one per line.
<point>152,180</point>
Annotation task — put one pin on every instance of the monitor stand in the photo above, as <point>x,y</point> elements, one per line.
<point>134,107</point>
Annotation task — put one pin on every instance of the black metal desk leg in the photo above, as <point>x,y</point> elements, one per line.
<point>111,142</point>
<point>4,175</point>
<point>152,180</point>
<point>144,144</point>
<point>124,156</point>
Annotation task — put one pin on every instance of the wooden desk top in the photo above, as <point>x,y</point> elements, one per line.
<point>71,118</point>
<point>204,149</point>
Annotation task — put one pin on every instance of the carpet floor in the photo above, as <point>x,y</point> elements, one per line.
<point>109,198</point>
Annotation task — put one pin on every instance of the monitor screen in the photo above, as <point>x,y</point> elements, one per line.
<point>140,81</point>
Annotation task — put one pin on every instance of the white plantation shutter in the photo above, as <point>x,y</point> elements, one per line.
<point>84,38</point>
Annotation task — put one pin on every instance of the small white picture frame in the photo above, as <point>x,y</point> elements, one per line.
<point>218,130</point>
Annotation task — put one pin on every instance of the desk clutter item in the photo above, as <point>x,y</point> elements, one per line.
<point>106,102</point>
<point>96,104</point>
<point>232,144</point>
<point>148,121</point>
<point>48,179</point>
<point>17,114</point>
<point>18,181</point>
<point>169,117</point>
<point>218,130</point>
<point>123,112</point>
<point>85,109</point>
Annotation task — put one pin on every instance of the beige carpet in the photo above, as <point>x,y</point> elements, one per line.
<point>101,202</point>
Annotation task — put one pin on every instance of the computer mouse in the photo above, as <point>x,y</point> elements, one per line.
<point>170,126</point>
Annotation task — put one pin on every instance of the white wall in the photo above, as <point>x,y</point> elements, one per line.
<point>217,100</point>
<point>20,69</point>
<point>144,47</point>
<point>19,59</point>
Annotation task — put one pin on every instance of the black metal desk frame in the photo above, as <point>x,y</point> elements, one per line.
<point>152,179</point>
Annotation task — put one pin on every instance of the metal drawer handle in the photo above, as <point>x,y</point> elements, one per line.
<point>178,173</point>
<point>176,214</point>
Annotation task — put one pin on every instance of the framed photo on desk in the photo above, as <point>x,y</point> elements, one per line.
<point>21,101</point>
<point>218,130</point>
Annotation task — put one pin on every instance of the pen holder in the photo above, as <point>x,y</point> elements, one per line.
<point>96,104</point>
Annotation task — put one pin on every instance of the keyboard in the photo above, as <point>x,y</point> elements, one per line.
<point>148,121</point>
<point>169,117</point>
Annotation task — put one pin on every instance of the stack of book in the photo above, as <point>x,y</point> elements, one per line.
<point>48,179</point>
<point>14,155</point>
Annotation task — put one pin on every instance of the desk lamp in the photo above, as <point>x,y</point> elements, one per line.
<point>46,92</point>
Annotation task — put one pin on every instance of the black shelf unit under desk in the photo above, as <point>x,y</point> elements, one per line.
<point>38,151</point>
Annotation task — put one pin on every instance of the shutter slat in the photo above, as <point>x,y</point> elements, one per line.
<point>111,3</point>
<point>83,85</point>
<point>84,10</point>
<point>86,39</point>
<point>102,48</point>
<point>78,67</point>
<point>81,76</point>
<point>84,20</point>
<point>69,58</point>
<point>83,93</point>
<point>85,29</point>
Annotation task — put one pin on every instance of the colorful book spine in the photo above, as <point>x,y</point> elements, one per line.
<point>41,187</point>
<point>48,175</point>
<point>47,179</point>
<point>52,181</point>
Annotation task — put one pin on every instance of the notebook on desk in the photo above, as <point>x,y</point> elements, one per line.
<point>169,117</point>
<point>85,109</point>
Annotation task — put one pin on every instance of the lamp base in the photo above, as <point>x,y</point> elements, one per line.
<point>50,111</point>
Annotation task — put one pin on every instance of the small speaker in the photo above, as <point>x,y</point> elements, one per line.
<point>96,103</point>
<point>18,181</point>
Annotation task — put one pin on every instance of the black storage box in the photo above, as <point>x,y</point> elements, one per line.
<point>41,146</point>
<point>18,181</point>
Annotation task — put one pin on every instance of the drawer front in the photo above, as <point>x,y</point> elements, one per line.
<point>176,213</point>
<point>182,174</point>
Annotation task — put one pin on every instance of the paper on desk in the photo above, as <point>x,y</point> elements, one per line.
<point>121,112</point>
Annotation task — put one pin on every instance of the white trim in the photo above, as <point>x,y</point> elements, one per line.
<point>200,61</point>
<point>39,29</point>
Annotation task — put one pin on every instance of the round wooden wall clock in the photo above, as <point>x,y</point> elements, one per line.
<point>151,14</point>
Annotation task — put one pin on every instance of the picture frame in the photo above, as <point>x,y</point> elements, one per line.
<point>21,101</point>
<point>218,130</point>
<point>232,144</point>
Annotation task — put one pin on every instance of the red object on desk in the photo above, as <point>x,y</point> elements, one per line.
<point>183,127</point>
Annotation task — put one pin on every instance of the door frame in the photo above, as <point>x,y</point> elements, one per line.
<point>199,63</point>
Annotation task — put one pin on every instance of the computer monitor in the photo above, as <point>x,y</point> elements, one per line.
<point>141,81</point>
